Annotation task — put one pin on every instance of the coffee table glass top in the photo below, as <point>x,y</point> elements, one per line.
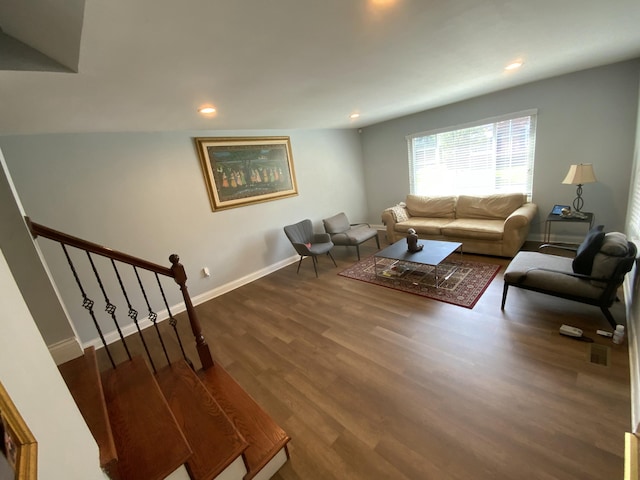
<point>433,252</point>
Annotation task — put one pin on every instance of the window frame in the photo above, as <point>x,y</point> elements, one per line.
<point>531,140</point>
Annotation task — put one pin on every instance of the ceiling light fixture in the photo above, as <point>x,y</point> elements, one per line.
<point>514,65</point>
<point>207,110</point>
<point>353,116</point>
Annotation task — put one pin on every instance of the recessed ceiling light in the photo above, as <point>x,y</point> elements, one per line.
<point>354,116</point>
<point>208,110</point>
<point>514,65</point>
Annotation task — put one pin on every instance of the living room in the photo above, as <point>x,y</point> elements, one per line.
<point>337,170</point>
<point>144,192</point>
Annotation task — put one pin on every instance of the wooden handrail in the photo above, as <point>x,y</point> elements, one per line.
<point>176,271</point>
<point>46,232</point>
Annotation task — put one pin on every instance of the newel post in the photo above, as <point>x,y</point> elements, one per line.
<point>180,276</point>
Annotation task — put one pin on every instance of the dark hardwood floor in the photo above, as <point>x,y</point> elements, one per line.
<point>373,383</point>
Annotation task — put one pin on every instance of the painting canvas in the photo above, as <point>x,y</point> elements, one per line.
<point>246,170</point>
<point>18,448</point>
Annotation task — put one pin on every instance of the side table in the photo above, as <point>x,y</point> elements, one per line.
<point>551,219</point>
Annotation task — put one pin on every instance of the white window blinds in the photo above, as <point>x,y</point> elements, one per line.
<point>492,156</point>
<point>633,213</point>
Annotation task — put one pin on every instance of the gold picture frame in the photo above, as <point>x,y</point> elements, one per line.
<point>245,170</point>
<point>18,449</point>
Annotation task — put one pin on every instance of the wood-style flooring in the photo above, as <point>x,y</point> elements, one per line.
<point>372,383</point>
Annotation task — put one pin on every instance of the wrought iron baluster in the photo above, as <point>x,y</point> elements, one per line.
<point>152,315</point>
<point>133,315</point>
<point>110,308</point>
<point>173,322</point>
<point>87,303</point>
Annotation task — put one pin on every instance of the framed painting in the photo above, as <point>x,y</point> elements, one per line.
<point>18,447</point>
<point>244,170</point>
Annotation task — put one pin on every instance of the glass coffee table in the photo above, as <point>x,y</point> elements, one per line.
<point>423,267</point>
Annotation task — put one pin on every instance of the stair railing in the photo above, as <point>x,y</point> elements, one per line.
<point>176,271</point>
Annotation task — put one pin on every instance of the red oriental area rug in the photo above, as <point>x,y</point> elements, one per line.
<point>467,281</point>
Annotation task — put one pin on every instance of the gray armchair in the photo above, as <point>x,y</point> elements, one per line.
<point>349,234</point>
<point>593,276</point>
<point>307,243</point>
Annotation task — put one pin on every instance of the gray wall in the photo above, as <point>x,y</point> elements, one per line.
<point>144,194</point>
<point>27,267</point>
<point>584,117</point>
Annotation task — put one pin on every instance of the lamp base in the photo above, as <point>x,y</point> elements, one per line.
<point>578,202</point>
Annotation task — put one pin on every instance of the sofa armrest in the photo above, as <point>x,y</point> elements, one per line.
<point>389,219</point>
<point>516,228</point>
<point>521,217</point>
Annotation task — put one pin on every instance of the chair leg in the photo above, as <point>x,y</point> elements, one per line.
<point>358,251</point>
<point>610,318</point>
<point>315,266</point>
<point>299,263</point>
<point>334,262</point>
<point>377,241</point>
<point>504,295</point>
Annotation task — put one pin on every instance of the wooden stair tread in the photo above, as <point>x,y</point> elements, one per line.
<point>149,442</point>
<point>213,438</point>
<point>264,436</point>
<point>83,380</point>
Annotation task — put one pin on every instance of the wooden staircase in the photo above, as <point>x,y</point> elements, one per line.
<point>176,424</point>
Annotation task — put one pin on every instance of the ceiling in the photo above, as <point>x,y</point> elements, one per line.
<point>147,65</point>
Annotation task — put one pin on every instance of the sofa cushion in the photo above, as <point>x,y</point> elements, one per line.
<point>424,226</point>
<point>615,244</point>
<point>498,206</point>
<point>583,261</point>
<point>474,228</point>
<point>526,268</point>
<point>603,266</point>
<point>431,207</point>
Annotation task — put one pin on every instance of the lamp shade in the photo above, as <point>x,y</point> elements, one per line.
<point>580,174</point>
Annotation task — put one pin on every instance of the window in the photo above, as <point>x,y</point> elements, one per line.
<point>633,214</point>
<point>491,156</point>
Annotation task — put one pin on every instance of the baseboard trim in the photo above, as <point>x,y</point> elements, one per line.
<point>65,350</point>
<point>144,323</point>
<point>216,292</point>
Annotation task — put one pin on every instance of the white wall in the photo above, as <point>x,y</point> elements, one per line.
<point>66,448</point>
<point>584,117</point>
<point>144,194</point>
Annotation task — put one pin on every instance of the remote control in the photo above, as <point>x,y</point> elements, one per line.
<point>570,331</point>
<point>604,333</point>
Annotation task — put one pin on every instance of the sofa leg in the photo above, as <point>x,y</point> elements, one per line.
<point>607,313</point>
<point>504,295</point>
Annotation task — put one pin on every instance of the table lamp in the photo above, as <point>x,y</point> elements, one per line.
<point>579,175</point>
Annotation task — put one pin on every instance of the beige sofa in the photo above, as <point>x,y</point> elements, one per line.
<point>490,225</point>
